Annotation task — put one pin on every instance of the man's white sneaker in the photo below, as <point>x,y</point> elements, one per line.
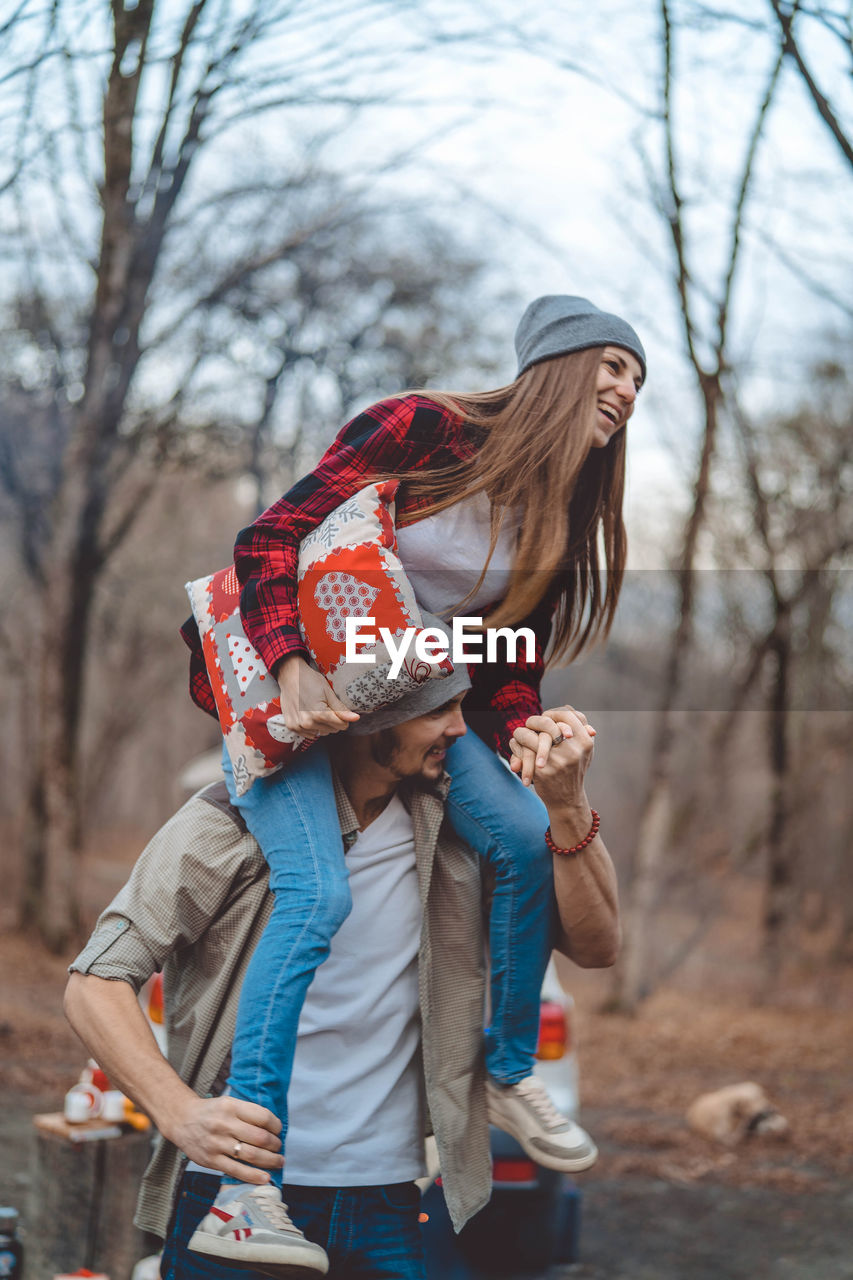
<point>551,1139</point>
<point>254,1230</point>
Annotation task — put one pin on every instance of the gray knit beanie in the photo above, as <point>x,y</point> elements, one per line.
<point>557,324</point>
<point>421,698</point>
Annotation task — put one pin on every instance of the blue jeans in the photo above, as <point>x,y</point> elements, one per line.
<point>294,819</point>
<point>369,1233</point>
<point>505,824</point>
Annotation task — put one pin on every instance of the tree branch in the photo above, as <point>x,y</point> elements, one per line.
<point>155,168</point>
<point>740,207</point>
<point>791,47</point>
<point>674,204</point>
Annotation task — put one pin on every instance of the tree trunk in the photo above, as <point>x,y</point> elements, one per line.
<point>779,874</point>
<point>55,839</point>
<point>59,905</point>
<point>632,980</point>
<point>35,825</point>
<point>75,556</point>
<point>70,582</point>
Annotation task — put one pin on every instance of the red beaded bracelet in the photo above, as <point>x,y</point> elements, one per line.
<point>576,848</point>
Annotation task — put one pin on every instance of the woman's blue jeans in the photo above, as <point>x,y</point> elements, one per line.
<point>294,818</point>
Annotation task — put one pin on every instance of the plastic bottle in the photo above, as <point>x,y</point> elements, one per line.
<point>11,1249</point>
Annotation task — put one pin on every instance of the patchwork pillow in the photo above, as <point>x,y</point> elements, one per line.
<point>348,567</point>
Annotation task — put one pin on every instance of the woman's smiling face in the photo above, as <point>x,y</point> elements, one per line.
<point>620,377</point>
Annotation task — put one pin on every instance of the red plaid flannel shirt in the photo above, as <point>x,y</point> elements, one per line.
<point>409,433</point>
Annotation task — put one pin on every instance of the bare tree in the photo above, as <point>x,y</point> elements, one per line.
<point>791,15</point>
<point>108,129</point>
<point>707,346</point>
<point>798,473</point>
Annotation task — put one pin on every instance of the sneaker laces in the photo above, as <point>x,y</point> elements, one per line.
<point>274,1207</point>
<point>534,1092</point>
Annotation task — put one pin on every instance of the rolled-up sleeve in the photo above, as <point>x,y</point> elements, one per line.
<point>182,882</point>
<point>117,950</point>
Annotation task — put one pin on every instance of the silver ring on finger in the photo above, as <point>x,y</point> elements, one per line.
<point>237,1148</point>
<point>561,737</point>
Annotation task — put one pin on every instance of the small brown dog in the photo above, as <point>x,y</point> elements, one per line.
<point>729,1115</point>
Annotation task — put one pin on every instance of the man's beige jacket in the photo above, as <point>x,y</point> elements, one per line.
<point>195,906</point>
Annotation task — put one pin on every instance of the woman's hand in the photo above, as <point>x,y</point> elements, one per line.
<point>309,704</point>
<point>531,746</point>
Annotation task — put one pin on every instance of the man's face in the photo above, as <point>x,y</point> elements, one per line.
<point>417,748</point>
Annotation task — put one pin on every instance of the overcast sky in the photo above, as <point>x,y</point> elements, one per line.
<point>550,162</point>
<point>534,132</point>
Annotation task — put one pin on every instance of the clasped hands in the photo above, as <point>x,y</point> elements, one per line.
<point>552,753</point>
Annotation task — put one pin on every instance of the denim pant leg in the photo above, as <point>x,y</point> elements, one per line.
<point>369,1233</point>
<point>389,1243</point>
<point>294,818</point>
<point>193,1199</point>
<point>505,824</point>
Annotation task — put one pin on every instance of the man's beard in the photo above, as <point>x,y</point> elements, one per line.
<point>384,747</point>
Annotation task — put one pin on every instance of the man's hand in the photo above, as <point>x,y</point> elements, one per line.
<point>553,752</point>
<point>238,1138</point>
<point>309,704</point>
<point>106,1015</point>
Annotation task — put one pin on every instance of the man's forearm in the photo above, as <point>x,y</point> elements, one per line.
<point>107,1018</point>
<point>237,1137</point>
<point>586,891</point>
<point>553,751</point>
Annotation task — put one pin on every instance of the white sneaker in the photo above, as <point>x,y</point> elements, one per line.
<point>254,1230</point>
<point>551,1139</point>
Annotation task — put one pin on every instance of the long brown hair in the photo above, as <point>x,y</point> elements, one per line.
<point>533,452</point>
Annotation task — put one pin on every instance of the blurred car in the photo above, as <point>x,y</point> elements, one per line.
<point>532,1221</point>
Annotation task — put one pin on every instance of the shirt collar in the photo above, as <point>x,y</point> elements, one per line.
<point>346,814</point>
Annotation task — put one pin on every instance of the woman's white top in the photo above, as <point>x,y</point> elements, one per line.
<point>444,554</point>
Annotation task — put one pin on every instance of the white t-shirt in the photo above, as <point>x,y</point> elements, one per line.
<point>355,1103</point>
<point>444,555</point>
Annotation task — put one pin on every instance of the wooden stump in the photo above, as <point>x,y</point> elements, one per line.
<point>82,1200</point>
